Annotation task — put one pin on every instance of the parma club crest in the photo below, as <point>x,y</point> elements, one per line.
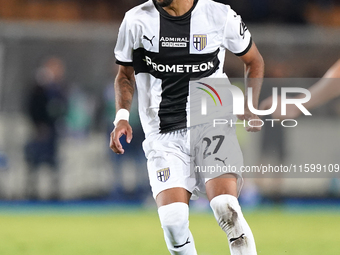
<point>164,174</point>
<point>200,41</point>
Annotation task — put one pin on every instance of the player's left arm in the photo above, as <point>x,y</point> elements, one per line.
<point>254,72</point>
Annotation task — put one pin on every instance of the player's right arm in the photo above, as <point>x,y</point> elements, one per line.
<point>124,90</point>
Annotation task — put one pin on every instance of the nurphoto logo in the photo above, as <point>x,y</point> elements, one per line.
<point>238,104</point>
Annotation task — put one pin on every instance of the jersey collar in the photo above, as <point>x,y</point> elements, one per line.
<point>168,16</point>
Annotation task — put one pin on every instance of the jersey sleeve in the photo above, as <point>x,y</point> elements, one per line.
<point>124,45</point>
<point>236,37</point>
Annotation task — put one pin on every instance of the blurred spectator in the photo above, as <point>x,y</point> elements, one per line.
<point>80,112</point>
<point>46,107</point>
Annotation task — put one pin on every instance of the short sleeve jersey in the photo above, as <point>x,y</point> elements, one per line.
<point>167,51</point>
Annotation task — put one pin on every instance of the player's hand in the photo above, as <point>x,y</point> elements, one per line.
<point>123,128</point>
<point>292,111</point>
<point>256,122</point>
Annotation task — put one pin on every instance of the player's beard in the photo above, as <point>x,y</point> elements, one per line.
<point>164,3</point>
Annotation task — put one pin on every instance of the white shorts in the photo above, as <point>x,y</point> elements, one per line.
<point>174,161</point>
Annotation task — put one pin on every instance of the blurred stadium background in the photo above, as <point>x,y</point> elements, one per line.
<point>69,44</point>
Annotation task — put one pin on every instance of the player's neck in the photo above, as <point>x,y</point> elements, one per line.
<point>179,7</point>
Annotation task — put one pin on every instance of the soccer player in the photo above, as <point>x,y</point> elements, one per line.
<point>161,45</point>
<point>323,91</point>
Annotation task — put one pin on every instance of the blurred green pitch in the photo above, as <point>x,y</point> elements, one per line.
<point>138,232</point>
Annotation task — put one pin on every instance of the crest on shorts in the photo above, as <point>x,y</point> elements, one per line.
<point>164,174</point>
<point>200,41</point>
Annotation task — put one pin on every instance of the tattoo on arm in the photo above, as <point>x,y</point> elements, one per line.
<point>124,90</point>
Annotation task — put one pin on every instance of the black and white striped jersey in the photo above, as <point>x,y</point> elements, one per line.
<point>167,51</point>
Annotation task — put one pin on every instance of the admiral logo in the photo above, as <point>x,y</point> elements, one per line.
<point>164,174</point>
<point>179,68</point>
<point>174,42</point>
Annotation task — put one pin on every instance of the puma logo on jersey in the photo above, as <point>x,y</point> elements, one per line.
<point>223,161</point>
<point>150,40</point>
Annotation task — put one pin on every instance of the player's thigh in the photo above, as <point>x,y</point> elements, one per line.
<point>173,195</point>
<point>220,152</point>
<point>169,168</point>
<point>224,184</point>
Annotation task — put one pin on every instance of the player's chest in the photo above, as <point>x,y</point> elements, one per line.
<point>176,39</point>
